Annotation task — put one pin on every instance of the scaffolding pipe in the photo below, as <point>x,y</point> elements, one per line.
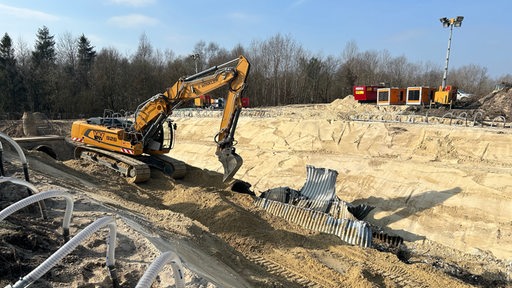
<point>38,197</point>
<point>150,275</point>
<point>30,187</point>
<point>70,246</point>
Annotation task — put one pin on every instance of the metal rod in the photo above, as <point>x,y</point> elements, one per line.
<point>445,75</point>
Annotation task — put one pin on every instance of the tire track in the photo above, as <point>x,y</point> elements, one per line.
<point>393,269</point>
<point>277,269</point>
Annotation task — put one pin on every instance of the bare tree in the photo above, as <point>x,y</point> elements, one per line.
<point>471,78</point>
<point>111,82</point>
<point>66,50</point>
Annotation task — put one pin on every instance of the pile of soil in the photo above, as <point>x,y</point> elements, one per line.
<point>495,104</point>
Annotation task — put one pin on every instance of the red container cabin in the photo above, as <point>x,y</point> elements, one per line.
<point>366,93</point>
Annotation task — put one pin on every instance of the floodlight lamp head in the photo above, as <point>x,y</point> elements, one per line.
<point>445,21</point>
<point>458,21</point>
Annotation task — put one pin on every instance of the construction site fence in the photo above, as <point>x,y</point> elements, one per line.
<point>478,119</point>
<point>208,113</point>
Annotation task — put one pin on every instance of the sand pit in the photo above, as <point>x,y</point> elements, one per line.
<point>446,190</point>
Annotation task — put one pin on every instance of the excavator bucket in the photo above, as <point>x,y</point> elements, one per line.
<point>230,161</point>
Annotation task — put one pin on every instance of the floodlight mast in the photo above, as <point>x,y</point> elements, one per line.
<point>457,22</point>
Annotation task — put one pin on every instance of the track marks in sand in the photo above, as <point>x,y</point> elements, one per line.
<point>277,269</point>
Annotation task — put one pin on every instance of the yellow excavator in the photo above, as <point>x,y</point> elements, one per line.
<point>132,146</point>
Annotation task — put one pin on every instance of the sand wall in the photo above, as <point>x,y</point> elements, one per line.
<point>448,184</point>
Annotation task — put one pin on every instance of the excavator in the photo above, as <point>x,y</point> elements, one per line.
<point>132,145</point>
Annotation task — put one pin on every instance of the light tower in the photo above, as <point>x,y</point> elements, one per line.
<point>452,22</point>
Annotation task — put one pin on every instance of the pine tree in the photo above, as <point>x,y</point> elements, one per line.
<point>12,92</point>
<point>86,53</point>
<point>43,80</point>
<point>44,52</point>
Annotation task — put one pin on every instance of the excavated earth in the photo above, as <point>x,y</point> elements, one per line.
<point>445,189</point>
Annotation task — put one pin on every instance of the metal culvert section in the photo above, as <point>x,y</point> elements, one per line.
<point>317,208</point>
<point>360,211</point>
<point>350,230</point>
<point>47,150</point>
<point>319,189</point>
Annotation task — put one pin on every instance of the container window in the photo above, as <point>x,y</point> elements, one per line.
<point>414,95</point>
<point>383,96</point>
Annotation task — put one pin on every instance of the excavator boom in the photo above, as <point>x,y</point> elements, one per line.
<point>200,84</point>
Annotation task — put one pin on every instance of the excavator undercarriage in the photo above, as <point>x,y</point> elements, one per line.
<point>134,169</point>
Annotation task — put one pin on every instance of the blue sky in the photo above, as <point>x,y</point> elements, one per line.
<point>409,28</point>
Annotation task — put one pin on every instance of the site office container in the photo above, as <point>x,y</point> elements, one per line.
<point>419,95</point>
<point>366,93</point>
<point>391,96</point>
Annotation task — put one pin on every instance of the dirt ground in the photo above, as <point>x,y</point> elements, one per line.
<point>445,189</point>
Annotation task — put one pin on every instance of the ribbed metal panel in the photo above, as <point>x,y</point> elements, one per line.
<point>319,189</point>
<point>339,209</point>
<point>320,210</point>
<point>351,231</point>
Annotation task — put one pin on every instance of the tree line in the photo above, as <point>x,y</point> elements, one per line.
<point>68,78</point>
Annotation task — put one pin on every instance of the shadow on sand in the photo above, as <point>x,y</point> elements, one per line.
<point>405,207</point>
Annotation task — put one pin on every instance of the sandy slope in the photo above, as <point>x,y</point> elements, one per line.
<point>445,189</point>
<point>429,183</point>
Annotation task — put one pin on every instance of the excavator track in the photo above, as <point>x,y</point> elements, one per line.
<point>133,170</point>
<point>170,166</point>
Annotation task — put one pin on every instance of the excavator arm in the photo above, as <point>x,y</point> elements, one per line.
<point>151,115</point>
